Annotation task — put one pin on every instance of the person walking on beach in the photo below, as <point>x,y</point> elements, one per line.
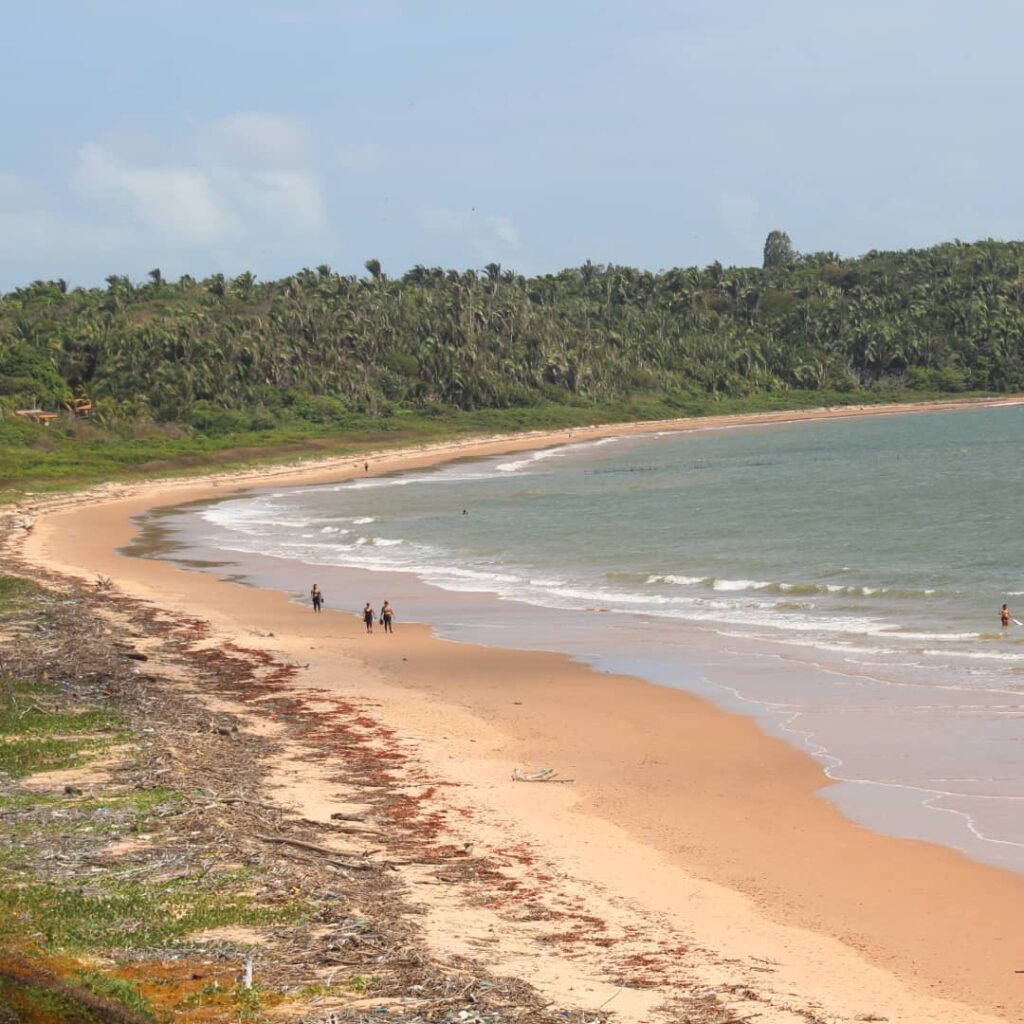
<point>1004,615</point>
<point>368,617</point>
<point>317,597</point>
<point>387,613</point>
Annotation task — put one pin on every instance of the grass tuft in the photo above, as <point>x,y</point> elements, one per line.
<point>108,914</point>
<point>19,758</point>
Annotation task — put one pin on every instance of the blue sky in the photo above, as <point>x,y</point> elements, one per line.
<point>270,135</point>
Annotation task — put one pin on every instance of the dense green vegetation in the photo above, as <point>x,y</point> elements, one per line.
<point>192,366</point>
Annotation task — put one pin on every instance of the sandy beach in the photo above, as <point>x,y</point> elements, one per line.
<point>695,846</point>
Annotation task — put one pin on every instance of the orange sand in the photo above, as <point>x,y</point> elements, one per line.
<point>684,823</point>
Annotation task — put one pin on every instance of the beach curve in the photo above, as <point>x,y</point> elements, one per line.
<point>685,825</point>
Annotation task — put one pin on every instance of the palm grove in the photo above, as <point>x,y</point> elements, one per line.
<point>222,354</point>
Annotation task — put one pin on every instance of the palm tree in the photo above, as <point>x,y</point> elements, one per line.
<point>244,283</point>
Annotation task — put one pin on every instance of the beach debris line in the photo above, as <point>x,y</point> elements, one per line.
<point>539,775</point>
<point>195,793</point>
<point>191,794</point>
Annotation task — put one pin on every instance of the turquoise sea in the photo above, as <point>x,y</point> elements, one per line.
<point>840,580</point>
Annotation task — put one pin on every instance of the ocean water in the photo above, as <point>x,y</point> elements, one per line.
<point>840,580</point>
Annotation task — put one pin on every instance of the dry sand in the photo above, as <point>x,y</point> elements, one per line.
<point>685,829</point>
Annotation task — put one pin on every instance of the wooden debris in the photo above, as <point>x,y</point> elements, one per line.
<point>219,816</point>
<point>540,775</point>
<point>336,856</point>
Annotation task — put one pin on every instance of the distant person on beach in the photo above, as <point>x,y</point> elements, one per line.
<point>317,597</point>
<point>1004,615</point>
<point>368,617</point>
<point>387,613</point>
<point>366,467</point>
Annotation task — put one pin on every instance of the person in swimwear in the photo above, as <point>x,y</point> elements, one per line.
<point>387,613</point>
<point>368,617</point>
<point>1004,615</point>
<point>317,597</point>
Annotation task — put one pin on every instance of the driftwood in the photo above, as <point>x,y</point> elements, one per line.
<point>540,775</point>
<point>335,855</point>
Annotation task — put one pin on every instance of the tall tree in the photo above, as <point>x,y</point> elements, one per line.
<point>778,250</point>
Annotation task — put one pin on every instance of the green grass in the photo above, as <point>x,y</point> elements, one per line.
<point>19,758</point>
<point>30,820</point>
<point>31,1004</point>
<point>34,720</point>
<point>111,915</point>
<point>246,1003</point>
<point>28,801</point>
<point>30,817</point>
<point>117,990</point>
<point>34,737</point>
<point>15,593</point>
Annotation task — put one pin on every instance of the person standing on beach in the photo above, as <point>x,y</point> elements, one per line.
<point>368,617</point>
<point>387,613</point>
<point>317,597</point>
<point>1004,615</point>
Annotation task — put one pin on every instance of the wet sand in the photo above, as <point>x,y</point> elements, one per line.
<point>683,823</point>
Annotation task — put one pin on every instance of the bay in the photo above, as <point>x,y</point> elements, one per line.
<point>840,580</point>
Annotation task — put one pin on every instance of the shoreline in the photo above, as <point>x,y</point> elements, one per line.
<point>854,922</point>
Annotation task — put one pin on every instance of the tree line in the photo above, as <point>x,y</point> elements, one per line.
<point>235,353</point>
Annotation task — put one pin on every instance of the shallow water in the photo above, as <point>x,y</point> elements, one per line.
<point>838,579</point>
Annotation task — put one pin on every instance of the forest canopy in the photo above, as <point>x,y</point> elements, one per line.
<point>230,354</point>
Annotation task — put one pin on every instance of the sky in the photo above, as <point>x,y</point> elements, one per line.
<point>268,136</point>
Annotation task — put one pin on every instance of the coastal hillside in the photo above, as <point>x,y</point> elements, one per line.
<point>320,352</point>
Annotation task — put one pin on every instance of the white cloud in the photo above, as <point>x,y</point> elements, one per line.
<point>258,142</point>
<point>38,241</point>
<point>247,181</point>
<point>179,203</point>
<point>488,236</point>
<point>238,189</point>
<point>360,156</point>
<point>290,200</point>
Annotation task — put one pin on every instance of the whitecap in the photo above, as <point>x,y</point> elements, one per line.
<point>729,585</point>
<point>518,464</point>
